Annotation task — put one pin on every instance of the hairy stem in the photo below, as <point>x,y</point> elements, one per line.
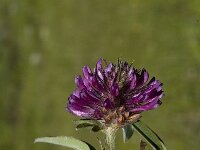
<point>110,137</point>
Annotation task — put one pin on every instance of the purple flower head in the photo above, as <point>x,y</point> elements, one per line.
<point>114,94</point>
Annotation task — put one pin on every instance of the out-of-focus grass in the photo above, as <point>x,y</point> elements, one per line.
<point>44,44</point>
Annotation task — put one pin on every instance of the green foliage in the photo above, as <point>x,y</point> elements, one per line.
<point>66,142</point>
<point>127,132</point>
<point>149,135</point>
<point>93,127</point>
<point>90,124</point>
<point>44,44</point>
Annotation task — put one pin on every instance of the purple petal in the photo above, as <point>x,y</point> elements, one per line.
<point>109,68</point>
<point>79,82</point>
<point>115,90</point>
<point>83,107</point>
<point>99,64</point>
<point>131,71</point>
<point>130,74</point>
<point>143,78</point>
<point>81,111</point>
<point>77,93</point>
<point>91,100</point>
<point>154,93</point>
<point>135,99</point>
<point>133,81</point>
<point>78,100</point>
<point>87,83</point>
<point>87,72</point>
<point>110,71</point>
<point>98,85</point>
<point>99,69</point>
<point>152,81</point>
<point>108,104</point>
<point>145,75</point>
<point>152,105</point>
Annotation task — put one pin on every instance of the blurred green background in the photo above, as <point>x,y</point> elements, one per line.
<point>44,44</point>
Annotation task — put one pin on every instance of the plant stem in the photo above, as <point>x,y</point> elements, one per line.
<point>110,137</point>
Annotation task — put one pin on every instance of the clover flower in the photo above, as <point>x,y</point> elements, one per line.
<point>114,94</point>
<point>110,97</point>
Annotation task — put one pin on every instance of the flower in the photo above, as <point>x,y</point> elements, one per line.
<point>114,94</point>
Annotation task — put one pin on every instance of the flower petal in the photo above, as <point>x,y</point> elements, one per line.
<point>79,82</point>
<point>115,90</point>
<point>91,100</point>
<point>87,72</point>
<point>133,81</point>
<point>152,105</point>
<point>143,78</point>
<point>108,104</point>
<point>81,111</point>
<point>98,69</point>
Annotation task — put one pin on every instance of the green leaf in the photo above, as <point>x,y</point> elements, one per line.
<point>91,124</point>
<point>96,128</point>
<point>84,125</point>
<point>69,142</point>
<point>127,132</point>
<point>88,121</point>
<point>151,137</point>
<point>93,127</point>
